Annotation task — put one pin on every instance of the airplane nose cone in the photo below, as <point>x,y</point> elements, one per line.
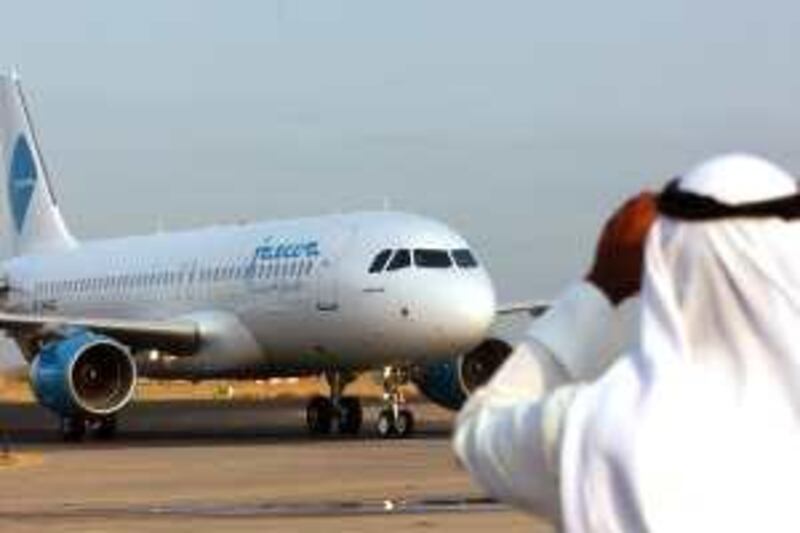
<point>477,307</point>
<point>467,310</point>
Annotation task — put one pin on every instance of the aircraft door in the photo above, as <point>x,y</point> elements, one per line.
<point>329,272</point>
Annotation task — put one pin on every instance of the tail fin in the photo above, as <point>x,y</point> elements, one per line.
<point>36,221</point>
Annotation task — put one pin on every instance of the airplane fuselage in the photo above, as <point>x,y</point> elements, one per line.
<point>276,298</point>
<point>332,295</point>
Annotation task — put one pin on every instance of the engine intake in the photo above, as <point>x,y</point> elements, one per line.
<point>448,383</point>
<point>84,374</point>
<point>478,366</point>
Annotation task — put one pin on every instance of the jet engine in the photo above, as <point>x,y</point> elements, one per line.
<point>448,383</point>
<point>84,374</point>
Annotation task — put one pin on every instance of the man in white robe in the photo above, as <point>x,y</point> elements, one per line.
<point>697,428</point>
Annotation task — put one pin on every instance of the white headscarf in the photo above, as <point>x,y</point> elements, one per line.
<point>698,429</point>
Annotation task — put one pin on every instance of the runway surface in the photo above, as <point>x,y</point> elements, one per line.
<point>239,466</point>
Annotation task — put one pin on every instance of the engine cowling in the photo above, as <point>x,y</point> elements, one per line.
<point>84,374</point>
<point>448,383</point>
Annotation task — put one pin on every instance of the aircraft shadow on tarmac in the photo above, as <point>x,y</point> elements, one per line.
<point>182,423</point>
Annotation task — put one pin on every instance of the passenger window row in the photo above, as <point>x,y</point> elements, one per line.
<point>166,278</point>
<point>390,260</point>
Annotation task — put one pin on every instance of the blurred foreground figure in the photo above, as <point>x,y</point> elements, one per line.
<point>698,427</point>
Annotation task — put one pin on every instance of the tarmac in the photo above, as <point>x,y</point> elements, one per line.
<point>239,466</point>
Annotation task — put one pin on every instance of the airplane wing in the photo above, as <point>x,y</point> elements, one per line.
<point>179,337</point>
<point>534,309</point>
<point>176,337</point>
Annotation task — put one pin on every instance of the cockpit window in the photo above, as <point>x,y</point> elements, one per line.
<point>464,258</point>
<point>426,258</point>
<point>400,259</point>
<point>380,261</point>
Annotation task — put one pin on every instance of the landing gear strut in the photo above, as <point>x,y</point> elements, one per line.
<point>73,428</point>
<point>346,411</point>
<point>394,419</point>
<point>104,428</point>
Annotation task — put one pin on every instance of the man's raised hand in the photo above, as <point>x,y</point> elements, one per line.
<point>619,258</point>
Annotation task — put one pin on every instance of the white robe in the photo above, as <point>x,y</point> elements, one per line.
<point>695,429</point>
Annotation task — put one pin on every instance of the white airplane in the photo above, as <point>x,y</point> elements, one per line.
<point>334,296</point>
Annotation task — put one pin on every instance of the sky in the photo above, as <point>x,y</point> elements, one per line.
<point>520,123</point>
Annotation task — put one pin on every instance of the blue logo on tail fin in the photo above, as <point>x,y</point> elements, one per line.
<point>22,180</point>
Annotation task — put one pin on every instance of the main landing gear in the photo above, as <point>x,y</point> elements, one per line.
<point>346,412</point>
<point>74,428</point>
<point>343,411</point>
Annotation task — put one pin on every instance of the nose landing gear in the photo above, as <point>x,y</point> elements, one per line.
<point>394,420</point>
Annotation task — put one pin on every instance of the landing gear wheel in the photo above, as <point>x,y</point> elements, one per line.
<point>386,424</point>
<point>73,428</point>
<point>350,415</point>
<point>394,420</point>
<point>104,428</point>
<point>404,424</point>
<point>319,415</point>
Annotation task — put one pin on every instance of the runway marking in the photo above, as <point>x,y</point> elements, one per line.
<point>386,507</point>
